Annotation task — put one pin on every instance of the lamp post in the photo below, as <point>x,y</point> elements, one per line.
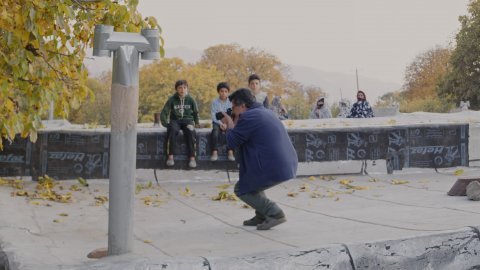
<point>126,48</point>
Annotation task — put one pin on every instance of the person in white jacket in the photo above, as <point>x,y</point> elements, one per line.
<point>320,109</point>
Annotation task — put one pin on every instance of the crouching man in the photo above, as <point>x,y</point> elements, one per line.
<point>266,156</point>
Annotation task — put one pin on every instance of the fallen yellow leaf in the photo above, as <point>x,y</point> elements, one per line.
<point>100,200</point>
<point>304,188</point>
<point>186,192</point>
<point>82,181</point>
<point>399,182</point>
<point>292,194</point>
<point>458,172</point>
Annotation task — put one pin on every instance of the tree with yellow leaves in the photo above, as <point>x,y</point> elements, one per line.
<point>42,48</point>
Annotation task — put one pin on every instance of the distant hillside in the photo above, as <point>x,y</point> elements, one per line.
<point>337,84</point>
<point>330,82</point>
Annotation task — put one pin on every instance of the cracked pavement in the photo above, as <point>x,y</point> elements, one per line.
<point>179,218</point>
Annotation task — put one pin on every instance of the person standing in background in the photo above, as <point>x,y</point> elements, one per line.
<point>254,85</point>
<point>277,107</point>
<point>361,108</point>
<point>320,110</point>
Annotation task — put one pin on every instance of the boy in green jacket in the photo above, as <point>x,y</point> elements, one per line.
<point>180,112</point>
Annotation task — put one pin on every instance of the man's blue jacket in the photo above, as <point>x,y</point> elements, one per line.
<point>267,156</point>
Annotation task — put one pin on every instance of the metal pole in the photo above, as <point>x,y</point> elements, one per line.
<point>126,48</point>
<point>123,151</point>
<point>356,74</point>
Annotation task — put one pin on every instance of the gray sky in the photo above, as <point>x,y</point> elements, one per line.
<point>379,37</point>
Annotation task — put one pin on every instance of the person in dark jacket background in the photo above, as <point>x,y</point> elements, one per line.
<point>266,156</point>
<point>180,112</point>
<point>361,108</point>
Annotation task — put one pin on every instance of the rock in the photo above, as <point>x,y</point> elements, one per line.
<point>473,191</point>
<point>98,253</point>
<point>460,186</point>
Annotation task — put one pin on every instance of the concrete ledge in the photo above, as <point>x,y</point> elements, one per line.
<point>447,250</point>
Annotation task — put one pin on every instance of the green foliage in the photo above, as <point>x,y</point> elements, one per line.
<point>42,47</point>
<point>461,82</point>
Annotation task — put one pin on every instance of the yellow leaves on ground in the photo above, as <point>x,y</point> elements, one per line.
<point>315,194</point>
<point>327,177</point>
<point>225,196</point>
<point>100,200</point>
<point>292,194</point>
<point>304,188</point>
<point>458,172</point>
<point>186,192</point>
<point>348,184</point>
<point>399,182</point>
<point>82,181</point>
<point>44,190</point>
<point>20,193</point>
<point>322,177</point>
<point>147,241</point>
<point>140,187</point>
<point>63,214</point>
<point>149,201</point>
<point>16,183</point>
<point>74,188</point>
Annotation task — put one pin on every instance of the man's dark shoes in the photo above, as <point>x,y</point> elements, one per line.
<point>271,222</point>
<point>256,220</point>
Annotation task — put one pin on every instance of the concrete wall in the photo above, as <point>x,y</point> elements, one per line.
<point>68,154</point>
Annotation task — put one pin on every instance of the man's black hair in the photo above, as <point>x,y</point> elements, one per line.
<point>242,96</point>
<point>180,82</point>
<point>253,77</point>
<point>223,85</point>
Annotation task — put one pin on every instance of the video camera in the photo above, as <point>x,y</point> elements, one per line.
<point>219,115</point>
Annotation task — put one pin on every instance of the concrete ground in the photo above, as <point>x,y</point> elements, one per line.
<point>179,220</point>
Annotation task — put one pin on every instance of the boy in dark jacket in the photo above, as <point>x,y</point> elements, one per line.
<point>180,112</point>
